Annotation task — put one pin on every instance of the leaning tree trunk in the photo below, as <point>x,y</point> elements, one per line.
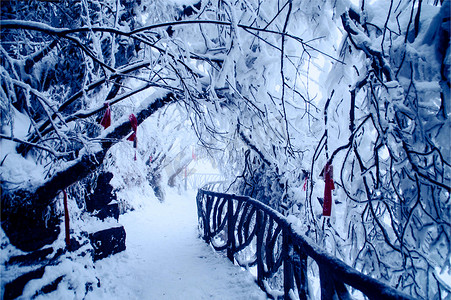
<point>29,217</point>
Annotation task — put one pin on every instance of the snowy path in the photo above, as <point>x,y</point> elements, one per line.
<point>165,259</point>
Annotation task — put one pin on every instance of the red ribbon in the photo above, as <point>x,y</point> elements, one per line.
<point>66,220</point>
<point>328,187</point>
<point>304,187</point>
<point>132,137</point>
<point>106,120</point>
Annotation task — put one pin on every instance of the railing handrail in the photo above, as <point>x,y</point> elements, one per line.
<point>202,174</point>
<point>198,180</point>
<point>340,271</point>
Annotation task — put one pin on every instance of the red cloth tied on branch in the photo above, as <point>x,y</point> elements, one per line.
<point>305,175</point>
<point>328,187</point>
<point>106,119</point>
<point>133,137</point>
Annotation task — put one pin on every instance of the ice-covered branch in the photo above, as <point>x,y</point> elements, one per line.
<point>66,33</point>
<point>361,41</point>
<point>49,150</point>
<point>42,127</point>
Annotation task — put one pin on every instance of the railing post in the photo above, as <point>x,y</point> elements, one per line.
<point>201,214</point>
<point>300,274</point>
<point>260,232</point>
<point>335,275</point>
<point>208,203</point>
<point>327,283</point>
<point>342,291</point>
<point>230,230</point>
<point>287,252</point>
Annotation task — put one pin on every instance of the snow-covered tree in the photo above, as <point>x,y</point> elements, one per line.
<point>274,90</point>
<point>392,153</point>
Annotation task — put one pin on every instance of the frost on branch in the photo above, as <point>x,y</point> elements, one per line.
<point>395,166</point>
<point>272,94</point>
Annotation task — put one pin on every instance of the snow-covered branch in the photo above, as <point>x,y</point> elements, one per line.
<point>38,197</point>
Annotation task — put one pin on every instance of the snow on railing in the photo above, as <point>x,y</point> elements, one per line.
<point>256,236</point>
<point>198,180</point>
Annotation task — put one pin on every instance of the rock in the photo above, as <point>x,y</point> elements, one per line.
<point>74,245</point>
<point>107,242</point>
<point>102,202</point>
<point>102,195</point>
<point>111,210</point>
<point>50,287</point>
<point>15,288</point>
<point>31,258</point>
<point>28,223</point>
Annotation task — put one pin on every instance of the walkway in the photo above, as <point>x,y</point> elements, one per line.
<point>165,259</point>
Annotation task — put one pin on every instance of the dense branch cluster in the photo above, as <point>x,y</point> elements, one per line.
<point>270,94</point>
<point>394,169</point>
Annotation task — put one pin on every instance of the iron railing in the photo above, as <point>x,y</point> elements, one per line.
<point>255,236</point>
<point>198,180</point>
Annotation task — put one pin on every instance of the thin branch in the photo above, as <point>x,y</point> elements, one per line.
<point>49,150</point>
<point>63,32</point>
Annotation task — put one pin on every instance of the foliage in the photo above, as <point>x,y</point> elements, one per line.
<point>267,87</point>
<point>394,169</point>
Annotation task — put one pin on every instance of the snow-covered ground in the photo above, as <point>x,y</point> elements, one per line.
<point>165,259</point>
